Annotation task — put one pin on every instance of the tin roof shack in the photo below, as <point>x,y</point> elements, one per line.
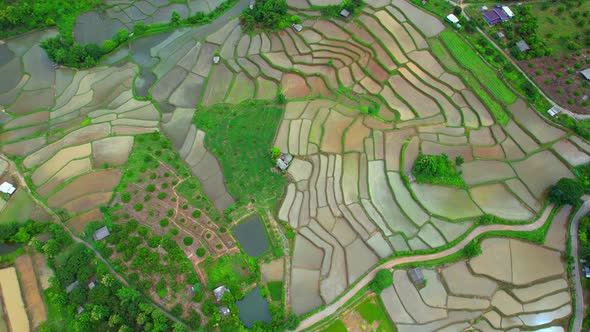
<point>283,161</point>
<point>7,188</point>
<point>523,46</point>
<point>101,233</point>
<point>586,73</point>
<point>219,292</point>
<point>416,277</point>
<point>345,13</point>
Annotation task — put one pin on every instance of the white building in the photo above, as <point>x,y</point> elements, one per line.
<point>7,188</point>
<point>508,11</point>
<point>453,19</point>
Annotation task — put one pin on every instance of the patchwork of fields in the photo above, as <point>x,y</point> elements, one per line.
<point>364,98</point>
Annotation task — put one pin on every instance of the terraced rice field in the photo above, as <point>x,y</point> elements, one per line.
<point>350,201</point>
<point>489,292</point>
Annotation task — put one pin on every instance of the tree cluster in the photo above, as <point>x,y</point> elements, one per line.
<point>25,15</point>
<point>108,306</point>
<point>333,11</point>
<point>566,191</point>
<point>267,15</point>
<point>382,280</point>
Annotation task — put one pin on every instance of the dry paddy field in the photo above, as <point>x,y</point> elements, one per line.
<point>12,301</point>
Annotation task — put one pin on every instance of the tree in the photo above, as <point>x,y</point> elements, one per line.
<point>292,322</point>
<point>127,295</point>
<point>382,280</point>
<point>175,19</point>
<point>51,248</point>
<point>472,249</point>
<point>457,11</point>
<point>459,160</point>
<point>566,191</point>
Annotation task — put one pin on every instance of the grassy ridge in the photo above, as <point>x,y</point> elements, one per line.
<point>469,58</point>
<point>241,136</point>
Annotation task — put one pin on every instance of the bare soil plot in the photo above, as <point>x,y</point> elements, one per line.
<point>86,202</point>
<point>531,263</point>
<point>429,25</point>
<point>305,293</point>
<point>411,300</point>
<point>480,171</point>
<point>98,181</point>
<point>79,223</point>
<point>384,37</point>
<point>528,118</point>
<point>497,200</point>
<point>452,203</point>
<point>31,293</point>
<point>571,153</point>
<point>13,301</point>
<point>421,103</point>
<point>294,86</point>
<point>335,125</point>
<point>69,171</point>
<point>49,168</point>
<point>112,150</point>
<point>558,230</point>
<point>397,30</point>
<point>355,135</point>
<point>82,135</point>
<point>540,171</point>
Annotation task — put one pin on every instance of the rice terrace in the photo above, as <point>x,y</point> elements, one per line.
<point>294,165</point>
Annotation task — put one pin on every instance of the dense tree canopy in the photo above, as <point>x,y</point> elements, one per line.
<point>382,280</point>
<point>267,15</point>
<point>566,191</point>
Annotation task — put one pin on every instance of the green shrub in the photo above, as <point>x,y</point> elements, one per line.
<point>125,197</point>
<point>164,222</point>
<point>196,214</point>
<point>170,213</point>
<point>187,241</point>
<point>267,15</point>
<point>162,195</point>
<point>566,191</point>
<point>150,188</point>
<point>201,252</point>
<point>382,280</point>
<point>436,170</point>
<point>138,207</point>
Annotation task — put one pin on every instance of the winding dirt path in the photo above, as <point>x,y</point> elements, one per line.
<point>335,306</point>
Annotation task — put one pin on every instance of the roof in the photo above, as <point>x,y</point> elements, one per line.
<point>501,35</point>
<point>223,311</point>
<point>416,276</point>
<point>553,111</point>
<point>219,291</point>
<point>92,284</point>
<point>281,164</point>
<point>72,286</point>
<point>586,73</point>
<point>286,157</point>
<point>7,188</point>
<point>344,13</point>
<point>101,233</point>
<point>508,11</point>
<point>484,7</point>
<point>495,16</point>
<point>452,18</point>
<point>298,27</point>
<point>216,59</point>
<point>522,46</point>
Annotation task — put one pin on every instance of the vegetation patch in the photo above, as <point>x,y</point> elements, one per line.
<point>241,137</point>
<point>275,288</point>
<point>235,272</point>
<point>471,60</point>
<point>439,170</point>
<point>267,15</point>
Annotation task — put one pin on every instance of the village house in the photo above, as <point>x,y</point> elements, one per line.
<point>586,73</point>
<point>219,292</point>
<point>497,14</point>
<point>101,233</point>
<point>7,188</point>
<point>416,276</point>
<point>522,46</point>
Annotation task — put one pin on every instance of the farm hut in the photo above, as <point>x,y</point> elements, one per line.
<point>216,59</point>
<point>92,284</point>
<point>251,5</point>
<point>453,19</point>
<point>101,233</point>
<point>416,276</point>
<point>80,310</point>
<point>586,73</point>
<point>553,111</point>
<point>223,311</point>
<point>281,164</point>
<point>500,35</point>
<point>586,271</point>
<point>298,27</point>
<point>522,46</point>
<point>71,286</point>
<point>484,8</point>
<point>7,188</point>
<point>219,292</point>
<point>345,13</point>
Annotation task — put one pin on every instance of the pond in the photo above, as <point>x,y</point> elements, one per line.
<point>7,248</point>
<point>251,236</point>
<point>253,308</point>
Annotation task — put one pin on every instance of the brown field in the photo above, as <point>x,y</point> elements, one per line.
<point>13,301</point>
<point>78,224</point>
<point>43,271</point>
<point>33,300</point>
<point>104,180</point>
